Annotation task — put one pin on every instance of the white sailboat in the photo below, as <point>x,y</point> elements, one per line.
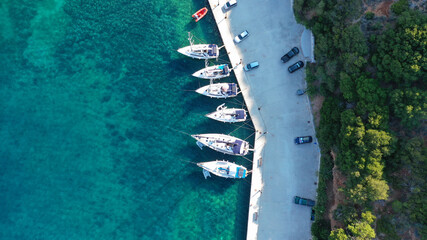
<point>223,143</point>
<point>219,90</point>
<point>229,115</point>
<point>224,169</point>
<point>200,51</point>
<point>213,72</point>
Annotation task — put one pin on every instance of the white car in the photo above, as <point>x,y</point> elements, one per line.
<point>241,36</point>
<point>230,4</point>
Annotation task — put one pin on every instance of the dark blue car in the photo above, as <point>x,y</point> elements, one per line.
<point>293,52</point>
<point>313,214</point>
<point>302,140</point>
<point>304,201</point>
<point>295,66</point>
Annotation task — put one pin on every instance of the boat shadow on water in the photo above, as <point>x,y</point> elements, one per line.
<point>214,183</point>
<point>185,65</point>
<point>190,25</point>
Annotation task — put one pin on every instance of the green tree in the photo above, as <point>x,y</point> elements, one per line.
<point>368,217</point>
<point>371,97</point>
<point>397,206</point>
<point>373,164</point>
<point>376,189</point>
<point>338,234</point>
<point>378,140</point>
<point>347,87</point>
<point>351,142</point>
<point>413,154</point>
<point>330,116</point>
<point>321,229</point>
<point>361,231</point>
<point>369,189</point>
<point>345,213</point>
<point>378,120</point>
<point>400,6</point>
<point>401,55</point>
<point>410,105</point>
<point>369,15</point>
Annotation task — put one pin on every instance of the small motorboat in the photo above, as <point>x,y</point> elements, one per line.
<point>200,14</point>
<point>222,143</point>
<point>199,51</point>
<point>219,90</point>
<point>224,169</point>
<point>230,115</point>
<point>213,72</point>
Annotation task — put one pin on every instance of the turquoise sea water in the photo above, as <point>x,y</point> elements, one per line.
<point>92,104</point>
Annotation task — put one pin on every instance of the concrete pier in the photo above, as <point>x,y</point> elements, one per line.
<point>281,169</point>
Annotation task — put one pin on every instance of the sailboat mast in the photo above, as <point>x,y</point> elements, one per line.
<point>190,38</point>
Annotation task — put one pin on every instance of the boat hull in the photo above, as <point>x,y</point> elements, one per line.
<point>200,14</point>
<point>219,90</point>
<point>200,51</point>
<point>223,143</point>
<point>225,169</point>
<point>228,115</point>
<point>213,72</point>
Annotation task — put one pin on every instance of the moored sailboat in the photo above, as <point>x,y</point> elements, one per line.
<point>219,90</point>
<point>200,51</point>
<point>230,115</point>
<point>213,72</point>
<point>223,143</point>
<point>224,169</point>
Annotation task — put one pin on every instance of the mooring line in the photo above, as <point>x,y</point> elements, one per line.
<point>235,129</point>
<point>187,161</point>
<point>179,131</point>
<point>252,128</point>
<point>250,136</point>
<point>247,159</point>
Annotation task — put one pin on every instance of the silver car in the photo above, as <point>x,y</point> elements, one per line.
<point>230,4</point>
<point>251,66</point>
<point>241,36</point>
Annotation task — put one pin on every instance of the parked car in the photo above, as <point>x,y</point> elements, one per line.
<point>293,52</point>
<point>302,140</point>
<point>304,201</point>
<point>251,66</point>
<point>301,92</point>
<point>230,4</point>
<point>241,36</point>
<point>295,66</point>
<point>313,214</point>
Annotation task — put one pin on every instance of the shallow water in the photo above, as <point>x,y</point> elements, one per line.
<point>95,104</point>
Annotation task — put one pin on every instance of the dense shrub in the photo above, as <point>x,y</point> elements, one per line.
<point>369,15</point>
<point>397,206</point>
<point>410,105</point>
<point>400,6</point>
<point>321,229</point>
<point>385,227</point>
<point>401,55</point>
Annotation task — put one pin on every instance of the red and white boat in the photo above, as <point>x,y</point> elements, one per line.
<point>200,14</point>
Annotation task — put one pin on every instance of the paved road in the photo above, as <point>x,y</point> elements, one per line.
<point>287,169</point>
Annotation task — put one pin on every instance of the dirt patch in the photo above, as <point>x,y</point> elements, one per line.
<point>310,14</point>
<point>410,234</point>
<point>379,9</point>
<point>383,9</point>
<point>316,105</point>
<point>335,197</point>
